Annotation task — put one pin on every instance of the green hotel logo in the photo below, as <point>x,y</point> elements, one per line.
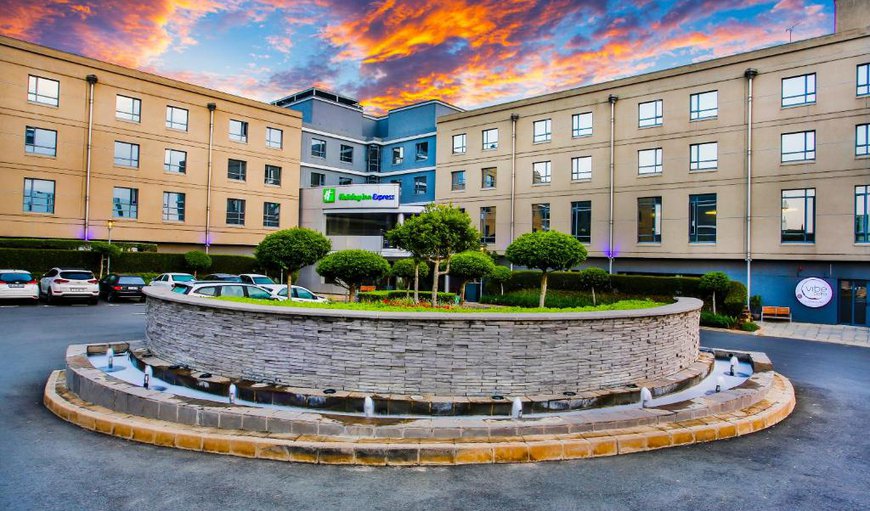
<point>328,195</point>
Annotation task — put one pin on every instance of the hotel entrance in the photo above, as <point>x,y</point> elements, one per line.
<point>853,302</point>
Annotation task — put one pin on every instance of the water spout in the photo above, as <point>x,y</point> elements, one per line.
<point>517,408</point>
<point>233,393</point>
<point>734,363</point>
<point>369,407</point>
<point>110,359</point>
<point>148,374</point>
<point>645,397</point>
<point>720,381</point>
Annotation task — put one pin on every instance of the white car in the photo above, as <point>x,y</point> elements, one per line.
<point>18,284</point>
<point>213,289</point>
<point>69,283</point>
<point>260,280</point>
<point>299,294</point>
<point>168,280</point>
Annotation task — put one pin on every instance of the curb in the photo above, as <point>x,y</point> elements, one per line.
<point>776,406</point>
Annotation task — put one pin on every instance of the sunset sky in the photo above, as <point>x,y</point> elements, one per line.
<point>390,53</point>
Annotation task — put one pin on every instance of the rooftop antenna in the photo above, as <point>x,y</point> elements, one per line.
<point>791,29</point>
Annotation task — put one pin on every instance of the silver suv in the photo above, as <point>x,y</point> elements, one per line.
<point>212,289</point>
<point>69,283</point>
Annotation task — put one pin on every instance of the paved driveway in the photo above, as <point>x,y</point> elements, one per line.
<point>817,459</point>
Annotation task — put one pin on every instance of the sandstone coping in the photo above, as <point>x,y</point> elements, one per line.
<point>471,355</point>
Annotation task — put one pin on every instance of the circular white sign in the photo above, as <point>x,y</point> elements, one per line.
<point>814,292</point>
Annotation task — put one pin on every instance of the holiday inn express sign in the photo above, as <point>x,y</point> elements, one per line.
<point>361,196</point>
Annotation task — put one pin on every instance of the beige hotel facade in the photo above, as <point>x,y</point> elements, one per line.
<point>84,143</point>
<point>656,173</point>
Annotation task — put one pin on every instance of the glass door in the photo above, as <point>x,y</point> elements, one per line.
<point>853,302</point>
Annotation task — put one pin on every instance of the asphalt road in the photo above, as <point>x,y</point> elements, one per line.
<point>816,459</point>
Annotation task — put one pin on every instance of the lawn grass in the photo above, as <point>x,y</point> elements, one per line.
<point>383,307</point>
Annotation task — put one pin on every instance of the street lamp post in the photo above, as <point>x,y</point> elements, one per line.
<point>109,225</point>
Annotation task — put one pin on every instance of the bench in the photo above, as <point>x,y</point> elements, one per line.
<point>775,312</point>
<point>365,289</point>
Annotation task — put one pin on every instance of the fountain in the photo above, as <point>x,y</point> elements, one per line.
<point>517,408</point>
<point>233,393</point>
<point>110,359</point>
<point>733,363</point>
<point>368,407</point>
<point>645,397</point>
<point>149,372</point>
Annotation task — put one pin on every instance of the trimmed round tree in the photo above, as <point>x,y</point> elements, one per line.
<point>546,251</point>
<point>106,251</point>
<point>714,282</point>
<point>500,275</point>
<point>593,277</point>
<point>352,268</point>
<point>291,250</point>
<point>197,260</point>
<point>409,270</point>
<point>468,266</point>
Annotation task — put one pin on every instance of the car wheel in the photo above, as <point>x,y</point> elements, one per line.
<point>110,297</point>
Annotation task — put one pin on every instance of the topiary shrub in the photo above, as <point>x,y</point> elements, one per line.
<point>717,320</point>
<point>352,268</point>
<point>197,260</point>
<point>594,277</point>
<point>735,299</point>
<point>547,251</point>
<point>468,266</point>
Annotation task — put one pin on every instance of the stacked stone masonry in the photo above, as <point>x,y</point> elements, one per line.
<point>424,353</point>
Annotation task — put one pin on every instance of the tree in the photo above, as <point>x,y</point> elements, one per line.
<point>593,277</point>
<point>409,269</point>
<point>291,250</point>
<point>401,236</point>
<point>437,233</point>
<point>468,266</point>
<point>714,282</point>
<point>547,251</point>
<point>106,251</point>
<point>197,260</point>
<point>352,268</point>
<point>500,275</point>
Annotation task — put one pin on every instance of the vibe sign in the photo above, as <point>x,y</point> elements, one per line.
<point>814,292</point>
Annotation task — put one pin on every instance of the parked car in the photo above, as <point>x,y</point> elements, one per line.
<point>220,277</point>
<point>298,294</point>
<point>212,289</point>
<point>167,280</point>
<point>260,280</point>
<point>18,284</point>
<point>69,283</point>
<point>114,286</point>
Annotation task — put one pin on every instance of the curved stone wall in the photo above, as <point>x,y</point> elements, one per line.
<point>474,354</point>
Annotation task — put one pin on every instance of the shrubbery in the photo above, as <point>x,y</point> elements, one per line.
<point>38,261</point>
<point>717,320</point>
<point>377,296</point>
<point>56,244</point>
<point>573,281</point>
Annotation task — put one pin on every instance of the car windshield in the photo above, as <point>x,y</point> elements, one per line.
<point>15,277</point>
<point>181,289</point>
<point>76,275</point>
<point>131,281</point>
<point>182,278</point>
<point>263,280</point>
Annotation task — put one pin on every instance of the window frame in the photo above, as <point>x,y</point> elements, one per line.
<point>50,202</point>
<point>240,137</point>
<point>464,147</point>
<point>656,235</point>
<point>577,210</point>
<point>33,89</point>
<point>421,151</point>
<point>179,207</point>
<point>862,150</point>
<point>181,166</point>
<point>241,174</point>
<point>576,174</point>
<point>343,151</point>
<point>487,216</point>
<point>32,148</point>
<point>695,161</point>
<point>457,185</point>
<point>577,130</point>
<point>239,215</point>
<point>398,155</point>
<point>539,177</point>
<point>866,84</point>
<point>130,158</point>
<point>269,173</point>
<point>135,115</point>
<point>321,179</point>
<point>658,162</point>
<point>806,93</point>
<point>418,189</point>
<point>272,219</point>
<point>696,204</point>
<point>171,123</point>
<point>128,204</point>
<point>696,113</point>
<point>862,226</point>
<point>270,139</point>
<point>541,217</point>
<point>546,132</point>
<point>483,178</point>
<point>316,142</point>
<point>658,118</point>
<point>485,139</point>
<point>805,151</point>
<point>809,234</point>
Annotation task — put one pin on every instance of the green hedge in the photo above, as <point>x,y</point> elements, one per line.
<point>39,261</point>
<point>717,320</point>
<point>377,296</point>
<point>629,284</point>
<point>59,244</point>
<point>735,300</point>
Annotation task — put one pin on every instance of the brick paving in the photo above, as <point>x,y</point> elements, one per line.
<point>839,334</point>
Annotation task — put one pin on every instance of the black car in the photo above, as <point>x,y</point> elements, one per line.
<point>220,277</point>
<point>114,286</point>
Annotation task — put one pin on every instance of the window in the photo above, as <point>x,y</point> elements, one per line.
<point>43,90</point>
<point>581,168</point>
<point>488,177</point>
<point>175,161</point>
<point>457,180</point>
<point>863,83</point>
<point>271,214</point>
<point>318,148</point>
<point>649,220</point>
<point>649,161</point>
<point>128,109</point>
<point>173,207</point>
<point>649,114</point>
<point>490,139</point>
<point>272,175</point>
<point>704,156</point>
<point>237,170</point>
<point>540,217</point>
<point>238,131</point>
<point>420,185</point>
<point>126,154</point>
<point>38,196</point>
<point>799,90</point>
<point>541,172</point>
<point>317,179</point>
<point>459,143</point>
<point>398,155</point>
<point>125,203</point>
<point>274,138</point>
<point>798,216</point>
<point>345,181</point>
<point>581,220</point>
<point>704,105</point>
<point>373,158</point>
<point>581,125</point>
<point>487,224</point>
<point>40,141</point>
<point>702,218</point>
<point>799,146</point>
<point>236,211</point>
<point>862,140</point>
<point>862,214</point>
<point>422,151</point>
<point>176,118</point>
<point>359,224</point>
<point>541,131</point>
<point>346,154</point>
